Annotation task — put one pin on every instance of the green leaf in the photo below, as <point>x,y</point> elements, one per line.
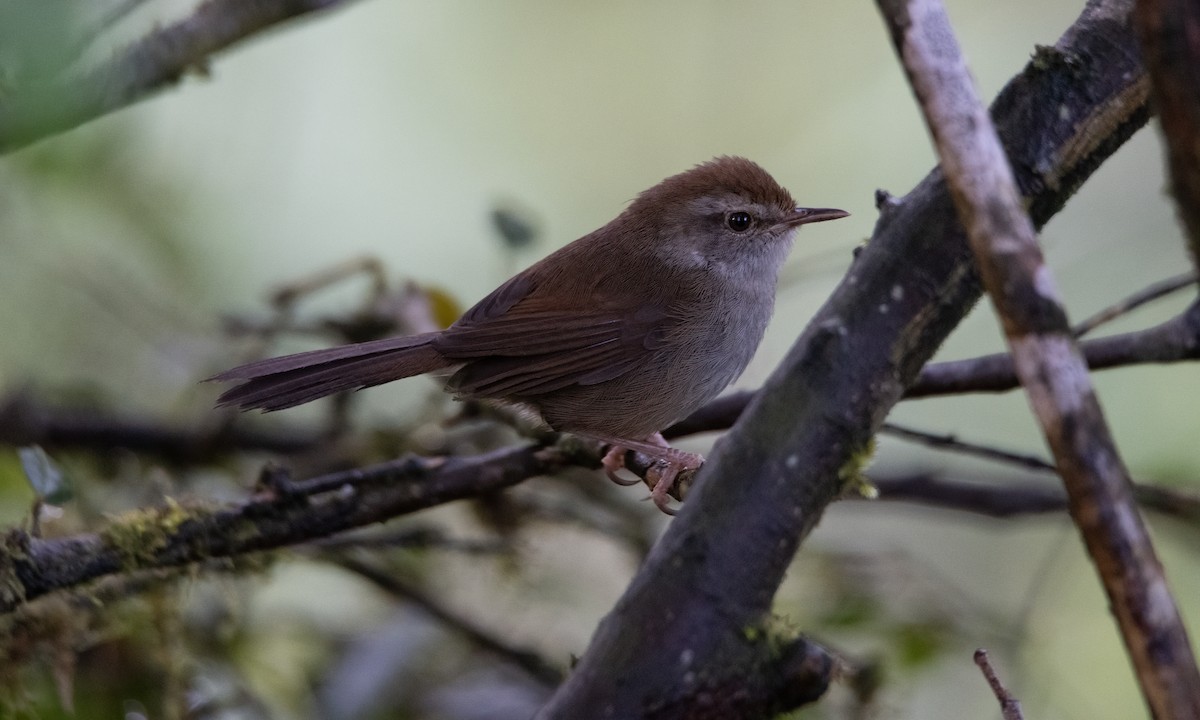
<point>44,475</point>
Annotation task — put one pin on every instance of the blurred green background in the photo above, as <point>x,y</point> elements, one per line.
<point>393,129</point>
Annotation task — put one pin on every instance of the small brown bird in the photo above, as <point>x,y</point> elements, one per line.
<point>613,337</point>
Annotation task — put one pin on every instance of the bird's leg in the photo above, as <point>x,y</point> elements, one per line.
<point>674,460</point>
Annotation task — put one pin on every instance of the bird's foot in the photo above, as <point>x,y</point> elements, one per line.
<point>612,462</point>
<point>661,476</point>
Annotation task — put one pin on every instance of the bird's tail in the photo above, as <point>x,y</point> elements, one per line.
<point>284,382</point>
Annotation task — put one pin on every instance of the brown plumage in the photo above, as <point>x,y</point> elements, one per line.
<point>615,336</point>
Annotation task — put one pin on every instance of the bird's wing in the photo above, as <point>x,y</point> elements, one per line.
<point>512,345</point>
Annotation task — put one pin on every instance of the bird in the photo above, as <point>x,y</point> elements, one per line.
<point>613,337</point>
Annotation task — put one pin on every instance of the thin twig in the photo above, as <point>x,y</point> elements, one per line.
<point>1010,707</point>
<point>1150,293</point>
<point>525,658</point>
<point>991,500</point>
<point>952,444</point>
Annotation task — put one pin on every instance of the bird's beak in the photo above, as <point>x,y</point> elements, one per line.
<point>804,216</point>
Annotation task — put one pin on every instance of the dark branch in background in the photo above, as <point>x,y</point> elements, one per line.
<point>951,443</point>
<point>1050,366</point>
<point>23,421</point>
<point>148,65</point>
<point>1170,35</point>
<point>524,658</point>
<point>708,584</point>
<point>1150,293</point>
<point>931,490</point>
<point>995,500</point>
<point>1006,499</point>
<point>1175,340</point>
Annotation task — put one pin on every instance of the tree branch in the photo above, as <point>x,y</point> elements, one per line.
<point>689,629</point>
<point>1008,500</point>
<point>148,65</point>
<point>24,421</point>
<point>1175,340</point>
<point>1150,293</point>
<point>994,500</point>
<point>282,513</point>
<point>951,443</point>
<point>1010,707</point>
<point>1049,364</point>
<point>524,658</point>
<point>1170,35</point>
<point>925,487</point>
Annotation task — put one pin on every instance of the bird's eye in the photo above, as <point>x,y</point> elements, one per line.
<point>739,221</point>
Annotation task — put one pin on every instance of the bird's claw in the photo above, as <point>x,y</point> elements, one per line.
<point>614,461</point>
